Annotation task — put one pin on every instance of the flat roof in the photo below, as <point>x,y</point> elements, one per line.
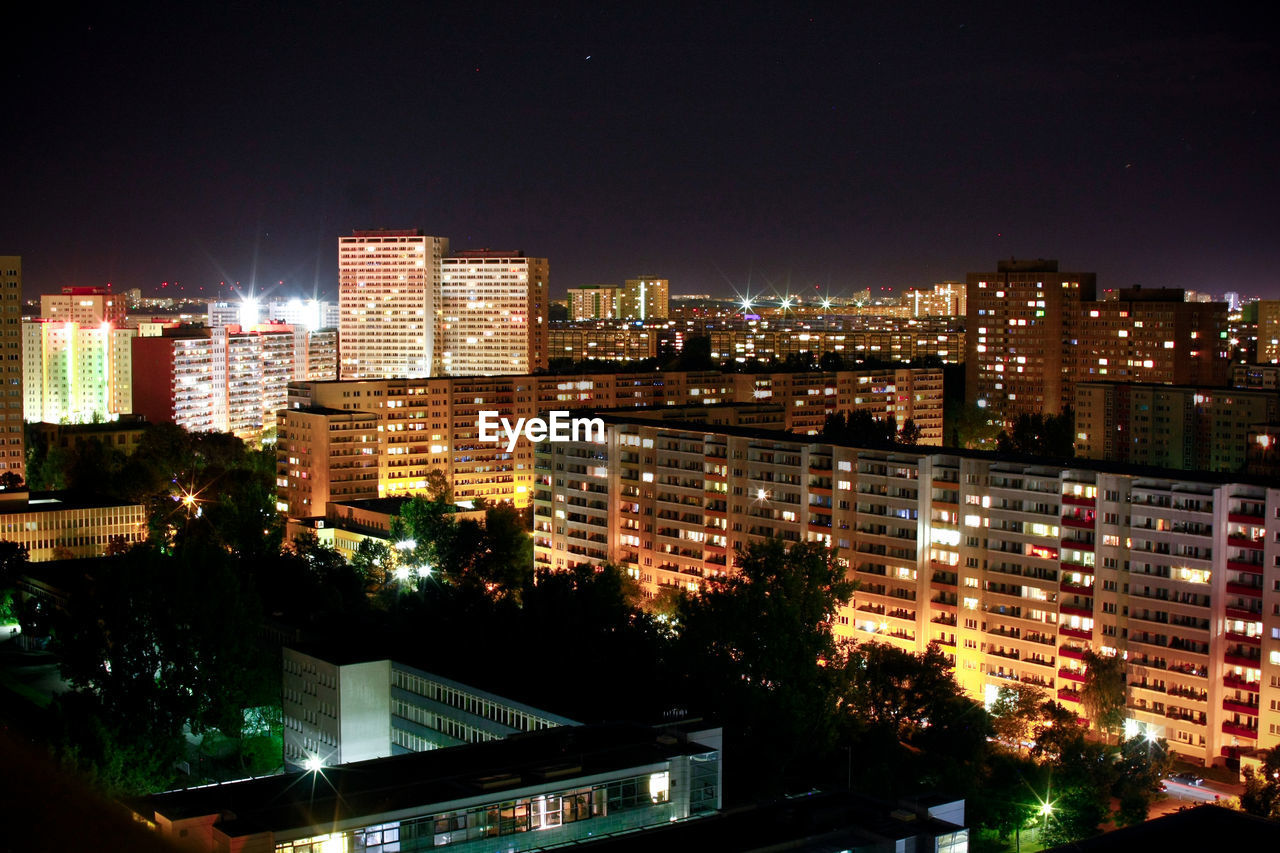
<point>56,502</point>
<point>817,822</point>
<point>1100,465</point>
<point>291,802</point>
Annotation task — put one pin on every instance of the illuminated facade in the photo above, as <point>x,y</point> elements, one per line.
<point>593,302</point>
<point>88,306</point>
<point>324,455</point>
<point>231,379</point>
<point>1268,331</point>
<point>493,314</point>
<point>947,299</point>
<point>388,299</point>
<point>515,794</point>
<point>644,298</point>
<point>54,528</point>
<point>390,708</point>
<point>1170,426</point>
<point>1022,331</point>
<point>12,446</point>
<point>1152,336</point>
<point>431,424</point>
<point>75,373</point>
<point>1012,568</point>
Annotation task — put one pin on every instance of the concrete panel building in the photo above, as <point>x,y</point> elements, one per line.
<point>388,299</point>
<point>1013,567</point>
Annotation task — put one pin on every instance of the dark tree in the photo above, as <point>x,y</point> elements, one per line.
<point>1103,692</point>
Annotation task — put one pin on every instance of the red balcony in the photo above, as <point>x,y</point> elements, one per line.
<point>1239,707</point>
<point>1244,589</point>
<point>1241,613</point>
<point>1074,610</point>
<point>1068,652</point>
<point>1244,542</point>
<point>1244,638</point>
<point>1082,523</point>
<point>1077,545</point>
<point>1237,681</point>
<point>1068,696</point>
<point>1241,566</point>
<point>1241,660</point>
<point>1083,589</point>
<point>1069,566</point>
<point>1242,518</point>
<point>1239,730</point>
<point>1078,633</point>
<point>943,606</point>
<point>1078,501</point>
<point>1071,675</point>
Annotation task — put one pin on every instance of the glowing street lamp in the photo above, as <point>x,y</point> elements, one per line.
<point>313,764</point>
<point>401,574</point>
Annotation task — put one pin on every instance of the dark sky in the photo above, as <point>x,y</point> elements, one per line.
<point>725,147</point>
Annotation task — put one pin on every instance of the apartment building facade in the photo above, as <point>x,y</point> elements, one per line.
<point>493,314</point>
<point>426,424</point>
<point>388,299</point>
<point>1171,426</point>
<point>12,443</point>
<point>1012,567</point>
<point>76,373</point>
<point>593,302</point>
<point>1023,327</point>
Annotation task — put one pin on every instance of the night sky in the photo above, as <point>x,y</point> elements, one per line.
<point>729,147</point>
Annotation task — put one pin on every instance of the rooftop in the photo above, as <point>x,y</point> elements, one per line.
<point>335,796</point>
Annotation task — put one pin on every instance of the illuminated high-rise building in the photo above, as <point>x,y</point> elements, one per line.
<point>74,373</point>
<point>12,452</point>
<point>644,298</point>
<point>493,314</point>
<point>593,302</point>
<point>388,301</point>
<point>1021,336</point>
<point>84,305</point>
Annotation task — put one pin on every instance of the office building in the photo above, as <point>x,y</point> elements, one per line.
<point>1022,328</point>
<point>1170,426</point>
<point>53,526</point>
<point>12,447</point>
<point>431,424</point>
<point>593,302</point>
<point>339,711</point>
<point>514,794</point>
<point>388,301</point>
<point>644,298</point>
<point>1012,567</point>
<point>87,306</point>
<point>76,373</point>
<point>493,314</point>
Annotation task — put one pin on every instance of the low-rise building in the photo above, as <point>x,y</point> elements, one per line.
<point>530,792</point>
<point>54,526</point>
<point>338,711</point>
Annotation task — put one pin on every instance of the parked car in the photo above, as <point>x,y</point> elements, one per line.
<point>1187,778</point>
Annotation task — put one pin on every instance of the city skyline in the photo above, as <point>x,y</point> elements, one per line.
<point>775,150</point>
